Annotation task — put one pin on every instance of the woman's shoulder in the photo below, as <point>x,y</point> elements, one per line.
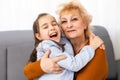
<point>100,51</point>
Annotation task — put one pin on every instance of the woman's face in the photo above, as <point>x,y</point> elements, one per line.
<point>48,28</point>
<point>72,24</point>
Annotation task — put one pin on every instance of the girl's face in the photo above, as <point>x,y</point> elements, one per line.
<point>48,29</point>
<point>72,24</point>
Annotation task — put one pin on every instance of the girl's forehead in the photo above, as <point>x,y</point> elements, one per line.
<point>46,20</point>
<point>47,17</point>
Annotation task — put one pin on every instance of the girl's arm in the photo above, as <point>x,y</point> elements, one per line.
<point>71,63</point>
<point>75,63</point>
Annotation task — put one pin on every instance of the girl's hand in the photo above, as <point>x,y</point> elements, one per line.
<point>102,47</point>
<point>49,65</point>
<point>96,41</point>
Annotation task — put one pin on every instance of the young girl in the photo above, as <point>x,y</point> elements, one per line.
<point>48,37</point>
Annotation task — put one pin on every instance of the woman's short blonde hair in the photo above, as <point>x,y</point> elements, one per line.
<point>75,5</point>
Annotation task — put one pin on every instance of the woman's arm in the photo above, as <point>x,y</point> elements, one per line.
<point>36,69</point>
<point>33,70</point>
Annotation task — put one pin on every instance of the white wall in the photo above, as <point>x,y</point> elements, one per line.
<point>109,16</point>
<point>106,13</point>
<point>20,14</point>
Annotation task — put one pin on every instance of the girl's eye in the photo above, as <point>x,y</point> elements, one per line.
<point>45,27</point>
<point>54,24</point>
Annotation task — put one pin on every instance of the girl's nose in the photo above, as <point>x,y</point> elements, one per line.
<point>52,28</point>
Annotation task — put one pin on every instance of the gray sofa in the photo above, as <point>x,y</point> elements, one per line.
<point>16,46</point>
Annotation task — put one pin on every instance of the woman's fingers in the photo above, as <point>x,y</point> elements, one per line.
<point>46,54</point>
<point>49,65</point>
<point>57,69</point>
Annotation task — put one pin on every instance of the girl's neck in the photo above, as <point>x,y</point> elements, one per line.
<point>78,44</point>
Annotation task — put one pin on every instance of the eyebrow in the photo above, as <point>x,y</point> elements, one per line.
<point>46,23</point>
<point>53,20</point>
<point>63,18</point>
<point>43,24</point>
<point>71,16</point>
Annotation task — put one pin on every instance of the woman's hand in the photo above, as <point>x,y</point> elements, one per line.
<point>49,65</point>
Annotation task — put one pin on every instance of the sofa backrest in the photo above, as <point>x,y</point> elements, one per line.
<point>103,33</point>
<point>16,46</point>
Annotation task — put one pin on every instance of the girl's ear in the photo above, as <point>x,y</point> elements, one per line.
<point>37,35</point>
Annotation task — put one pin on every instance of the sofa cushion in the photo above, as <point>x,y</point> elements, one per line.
<point>17,57</point>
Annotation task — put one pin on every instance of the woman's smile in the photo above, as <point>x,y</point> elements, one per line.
<point>71,30</point>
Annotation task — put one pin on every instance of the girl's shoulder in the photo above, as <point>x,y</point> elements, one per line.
<point>64,40</point>
<point>47,42</point>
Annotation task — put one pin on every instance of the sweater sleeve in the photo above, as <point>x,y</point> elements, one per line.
<point>33,70</point>
<point>97,69</point>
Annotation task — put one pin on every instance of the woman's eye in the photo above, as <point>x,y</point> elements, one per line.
<point>74,19</point>
<point>62,22</point>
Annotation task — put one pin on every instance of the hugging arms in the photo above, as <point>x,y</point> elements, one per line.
<point>74,22</point>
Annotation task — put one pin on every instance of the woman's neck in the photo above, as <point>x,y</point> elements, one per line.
<point>78,44</point>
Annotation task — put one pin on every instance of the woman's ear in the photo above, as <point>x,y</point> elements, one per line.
<point>37,35</point>
<point>85,27</point>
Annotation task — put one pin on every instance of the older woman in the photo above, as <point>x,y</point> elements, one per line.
<point>74,21</point>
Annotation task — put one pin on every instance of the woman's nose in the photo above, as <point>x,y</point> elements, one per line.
<point>69,25</point>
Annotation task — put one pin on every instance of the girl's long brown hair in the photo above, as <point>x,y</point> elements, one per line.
<point>33,56</point>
